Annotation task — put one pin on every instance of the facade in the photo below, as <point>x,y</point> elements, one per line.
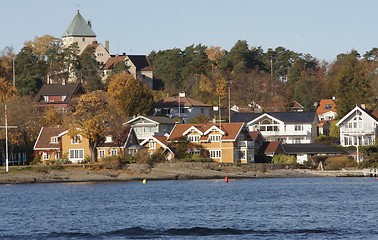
<point>225,143</point>
<point>358,127</point>
<point>122,144</point>
<point>326,109</point>
<point>48,145</point>
<point>76,148</point>
<point>158,142</point>
<point>286,127</point>
<point>147,126</point>
<point>58,95</point>
<point>181,107</point>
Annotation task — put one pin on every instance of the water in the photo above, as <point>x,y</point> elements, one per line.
<point>289,208</point>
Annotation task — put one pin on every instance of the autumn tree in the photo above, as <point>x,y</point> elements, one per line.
<point>128,95</point>
<point>7,90</point>
<point>91,117</point>
<point>6,63</point>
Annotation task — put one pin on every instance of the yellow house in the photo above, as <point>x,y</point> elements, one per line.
<point>48,145</point>
<point>225,142</point>
<point>76,148</point>
<point>124,142</point>
<point>156,142</point>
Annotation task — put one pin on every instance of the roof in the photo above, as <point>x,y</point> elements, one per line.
<point>326,105</point>
<point>43,141</point>
<point>310,148</point>
<point>157,119</point>
<point>69,90</point>
<point>271,147</point>
<point>373,114</point>
<point>256,135</point>
<point>184,102</point>
<point>286,117</point>
<point>79,28</point>
<point>294,105</point>
<point>112,61</point>
<point>141,62</point>
<point>231,130</point>
<point>120,138</point>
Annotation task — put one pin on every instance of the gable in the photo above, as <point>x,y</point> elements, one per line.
<point>357,112</point>
<point>265,119</point>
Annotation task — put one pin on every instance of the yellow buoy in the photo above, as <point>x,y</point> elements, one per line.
<point>144,181</point>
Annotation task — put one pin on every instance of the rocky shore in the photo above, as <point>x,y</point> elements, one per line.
<point>161,171</point>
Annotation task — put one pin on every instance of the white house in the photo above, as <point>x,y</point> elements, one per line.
<point>147,126</point>
<point>181,107</point>
<point>358,127</point>
<point>286,127</point>
<point>326,109</point>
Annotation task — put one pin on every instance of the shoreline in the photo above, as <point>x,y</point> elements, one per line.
<point>161,171</point>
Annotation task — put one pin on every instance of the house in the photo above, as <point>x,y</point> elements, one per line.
<point>269,149</point>
<point>156,142</point>
<point>138,65</point>
<point>123,143</point>
<point>146,126</point>
<point>286,127</point>
<point>101,53</point>
<point>326,109</point>
<point>58,95</point>
<point>74,148</point>
<point>324,127</point>
<point>258,141</point>
<point>358,127</point>
<point>225,143</point>
<point>48,145</point>
<point>181,107</point>
<point>304,152</point>
<point>294,106</point>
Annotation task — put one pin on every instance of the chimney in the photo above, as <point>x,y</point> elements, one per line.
<point>107,46</point>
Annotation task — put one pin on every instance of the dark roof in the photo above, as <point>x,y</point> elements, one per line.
<point>310,148</point>
<point>184,102</point>
<point>79,28</point>
<point>69,90</point>
<point>287,117</point>
<point>44,138</point>
<point>141,62</point>
<point>120,138</point>
<point>271,147</point>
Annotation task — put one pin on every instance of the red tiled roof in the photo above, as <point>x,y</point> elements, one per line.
<point>44,138</point>
<point>256,134</point>
<point>230,129</point>
<point>326,105</point>
<point>111,62</point>
<point>272,147</point>
<point>162,139</point>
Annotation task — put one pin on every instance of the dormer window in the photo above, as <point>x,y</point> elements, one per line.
<point>54,140</point>
<point>109,139</point>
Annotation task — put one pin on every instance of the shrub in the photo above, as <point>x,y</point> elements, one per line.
<point>339,162</point>
<point>112,162</point>
<point>284,159</point>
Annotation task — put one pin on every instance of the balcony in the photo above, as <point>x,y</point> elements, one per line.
<point>245,144</point>
<point>357,131</point>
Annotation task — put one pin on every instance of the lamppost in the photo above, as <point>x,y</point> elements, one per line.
<point>6,139</point>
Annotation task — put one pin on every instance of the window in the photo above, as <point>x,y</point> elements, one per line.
<point>298,127</point>
<point>54,140</point>
<point>83,39</point>
<point>113,152</point>
<point>76,154</point>
<point>76,139</point>
<point>193,138</point>
<point>194,151</point>
<point>215,153</point>
<point>101,153</point>
<point>215,138</point>
<point>152,145</point>
<point>45,156</point>
<point>202,111</point>
<point>297,140</point>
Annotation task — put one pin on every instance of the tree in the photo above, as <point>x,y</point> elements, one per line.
<point>7,91</point>
<point>91,117</point>
<point>30,72</point>
<point>352,85</point>
<point>89,69</point>
<point>129,96</point>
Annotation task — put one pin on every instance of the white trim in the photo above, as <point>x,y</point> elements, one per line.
<point>264,115</point>
<point>213,128</point>
<point>35,144</point>
<point>190,129</point>
<point>140,117</point>
<point>352,112</point>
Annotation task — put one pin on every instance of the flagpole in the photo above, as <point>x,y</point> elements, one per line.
<point>6,140</point>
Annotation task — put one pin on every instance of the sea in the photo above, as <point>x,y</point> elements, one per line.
<point>271,208</point>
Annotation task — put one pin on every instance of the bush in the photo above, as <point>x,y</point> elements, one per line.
<point>284,159</point>
<point>112,162</point>
<point>372,163</point>
<point>339,162</point>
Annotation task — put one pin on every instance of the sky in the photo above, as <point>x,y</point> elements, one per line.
<point>321,28</point>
